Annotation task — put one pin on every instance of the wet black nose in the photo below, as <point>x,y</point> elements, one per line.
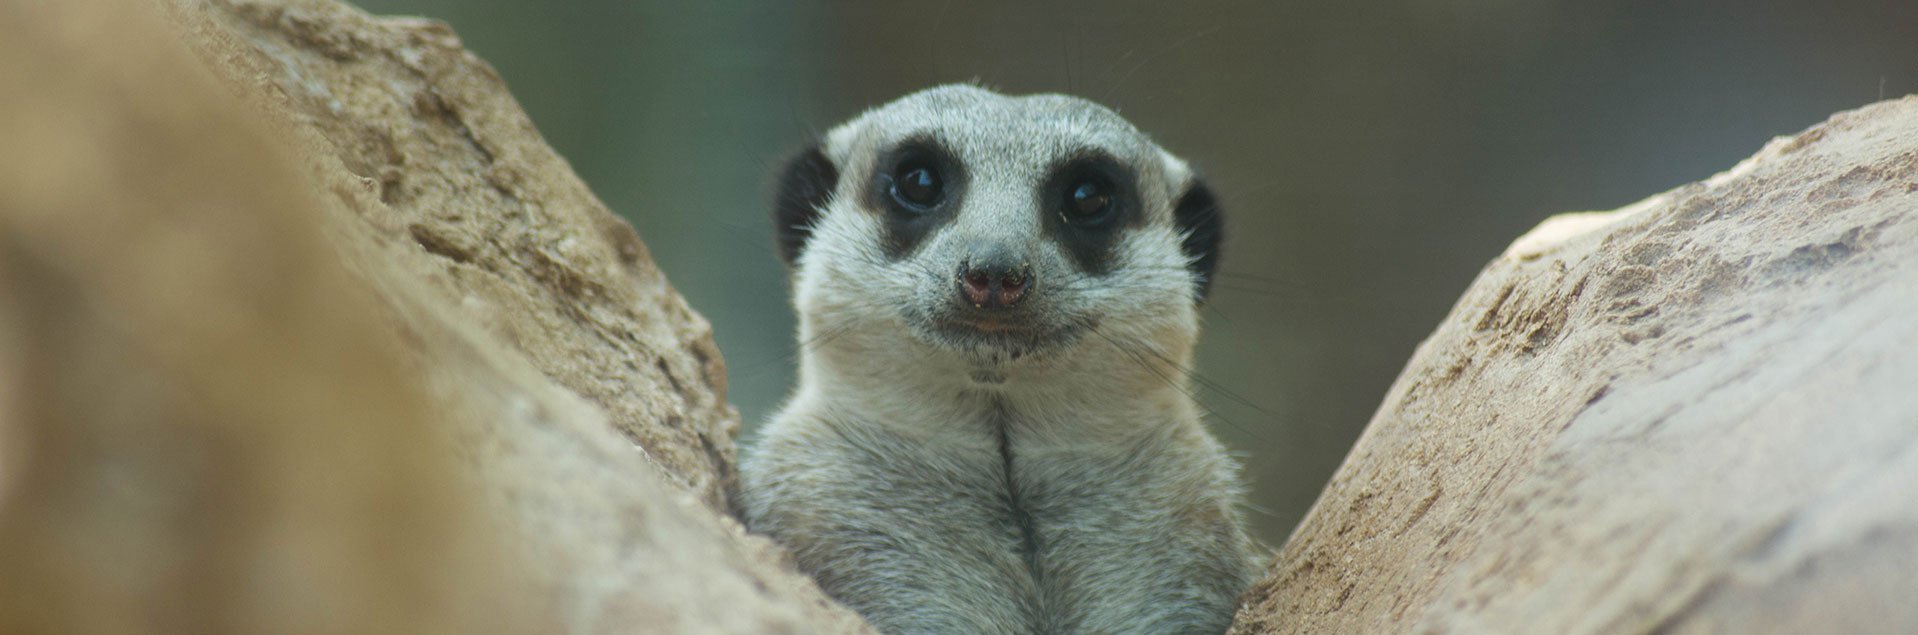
<point>993,284</point>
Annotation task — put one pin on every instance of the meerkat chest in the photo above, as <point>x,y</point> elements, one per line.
<point>1087,537</point>
<point>994,532</point>
<point>1114,530</point>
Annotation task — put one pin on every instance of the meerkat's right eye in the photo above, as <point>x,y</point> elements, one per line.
<point>917,186</point>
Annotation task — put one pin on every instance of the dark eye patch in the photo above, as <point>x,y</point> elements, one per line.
<point>916,187</point>
<point>1088,201</point>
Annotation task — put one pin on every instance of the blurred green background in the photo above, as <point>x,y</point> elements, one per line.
<point>1371,156</point>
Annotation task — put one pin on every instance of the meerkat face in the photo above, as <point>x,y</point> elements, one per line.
<point>996,227</point>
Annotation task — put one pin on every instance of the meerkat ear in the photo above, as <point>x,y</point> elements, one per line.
<point>805,185</point>
<point>1202,224</point>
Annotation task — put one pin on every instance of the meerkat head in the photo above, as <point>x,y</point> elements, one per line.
<point>996,228</point>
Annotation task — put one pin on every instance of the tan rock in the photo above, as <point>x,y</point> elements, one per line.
<point>1695,414</point>
<point>205,427</point>
<point>353,352</point>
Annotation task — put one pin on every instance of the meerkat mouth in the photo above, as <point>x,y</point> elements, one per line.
<point>1000,339</point>
<point>993,324</point>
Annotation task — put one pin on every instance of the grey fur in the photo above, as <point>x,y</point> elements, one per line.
<point>1056,482</point>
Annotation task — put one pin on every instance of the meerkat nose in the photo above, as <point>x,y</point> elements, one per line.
<point>994,283</point>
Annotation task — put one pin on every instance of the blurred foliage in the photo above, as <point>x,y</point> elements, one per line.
<point>1371,156</point>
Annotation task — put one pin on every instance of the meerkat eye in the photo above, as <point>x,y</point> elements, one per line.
<point>917,186</point>
<point>1087,201</point>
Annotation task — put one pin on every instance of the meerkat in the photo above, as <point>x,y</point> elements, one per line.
<point>991,431</point>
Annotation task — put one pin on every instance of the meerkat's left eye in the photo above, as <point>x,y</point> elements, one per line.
<point>1087,201</point>
<point>917,186</point>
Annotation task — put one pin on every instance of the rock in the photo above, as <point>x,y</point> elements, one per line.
<point>1695,414</point>
<point>328,340</point>
<point>485,213</point>
<point>205,425</point>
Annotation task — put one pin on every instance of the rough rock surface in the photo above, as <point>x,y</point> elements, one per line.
<point>328,340</point>
<point>201,416</point>
<point>1695,414</point>
<point>458,171</point>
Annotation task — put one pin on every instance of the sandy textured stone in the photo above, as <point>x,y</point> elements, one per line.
<point>328,340</point>
<point>205,427</point>
<point>1696,414</point>
<point>459,172</point>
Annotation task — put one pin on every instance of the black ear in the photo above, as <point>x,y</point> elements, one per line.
<point>1203,224</point>
<point>805,184</point>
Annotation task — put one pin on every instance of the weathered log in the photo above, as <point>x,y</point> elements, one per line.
<point>1698,413</point>
<point>328,340</point>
